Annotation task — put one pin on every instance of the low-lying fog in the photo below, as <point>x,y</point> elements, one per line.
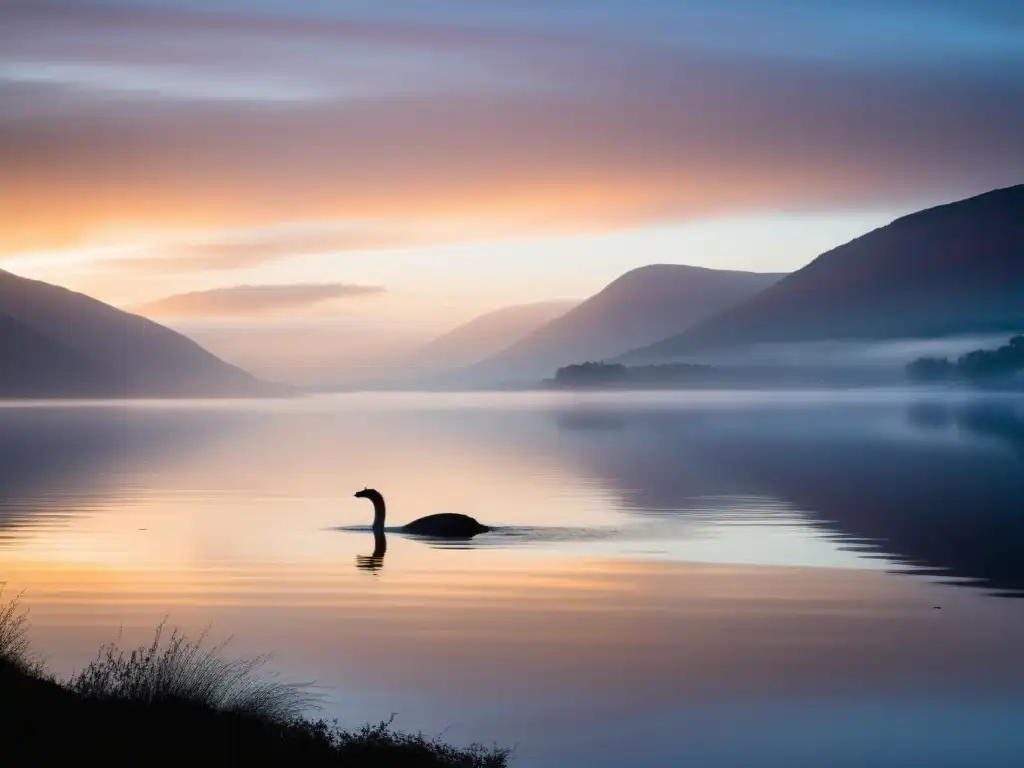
<point>352,355</point>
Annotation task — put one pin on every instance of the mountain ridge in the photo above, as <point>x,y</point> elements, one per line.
<point>952,268</point>
<point>475,340</point>
<point>37,366</point>
<point>642,304</point>
<point>137,357</point>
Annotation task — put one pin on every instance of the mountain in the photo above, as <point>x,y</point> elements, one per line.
<point>639,307</point>
<point>36,366</point>
<point>949,270</point>
<point>93,349</point>
<point>483,336</point>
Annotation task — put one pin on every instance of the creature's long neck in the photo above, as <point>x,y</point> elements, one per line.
<point>378,514</point>
<point>380,544</point>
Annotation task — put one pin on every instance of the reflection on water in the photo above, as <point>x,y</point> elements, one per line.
<point>717,578</point>
<point>929,494</point>
<point>374,562</point>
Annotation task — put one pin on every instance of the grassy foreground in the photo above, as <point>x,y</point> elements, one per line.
<point>179,702</point>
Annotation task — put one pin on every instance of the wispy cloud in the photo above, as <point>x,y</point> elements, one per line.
<point>252,300</point>
<point>251,247</point>
<point>543,120</point>
<point>157,82</point>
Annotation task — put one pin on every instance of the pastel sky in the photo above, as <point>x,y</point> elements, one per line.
<point>410,163</point>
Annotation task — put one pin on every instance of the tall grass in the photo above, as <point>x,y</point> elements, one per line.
<point>14,648</point>
<point>178,697</point>
<point>182,670</point>
<point>407,749</point>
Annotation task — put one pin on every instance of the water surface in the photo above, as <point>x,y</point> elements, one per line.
<point>711,579</point>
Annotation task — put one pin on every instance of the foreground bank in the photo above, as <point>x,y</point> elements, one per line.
<point>180,701</point>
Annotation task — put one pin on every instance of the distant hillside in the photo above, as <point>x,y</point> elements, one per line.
<point>953,269</point>
<point>487,334</point>
<point>641,306</point>
<point>31,365</point>
<point>102,350</point>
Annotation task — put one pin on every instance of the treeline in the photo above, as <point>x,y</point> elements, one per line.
<point>616,374</point>
<point>980,366</point>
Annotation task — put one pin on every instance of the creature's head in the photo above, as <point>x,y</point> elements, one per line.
<point>368,493</point>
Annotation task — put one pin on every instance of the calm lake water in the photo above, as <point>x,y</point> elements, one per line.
<point>705,579</point>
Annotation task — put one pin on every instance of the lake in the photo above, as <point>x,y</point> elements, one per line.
<point>674,579</point>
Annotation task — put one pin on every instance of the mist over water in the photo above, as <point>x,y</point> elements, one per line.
<point>884,354</point>
<point>710,578</point>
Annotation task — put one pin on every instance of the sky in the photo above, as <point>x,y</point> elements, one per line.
<point>400,166</point>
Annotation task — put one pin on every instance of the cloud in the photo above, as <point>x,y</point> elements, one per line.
<point>251,247</point>
<point>516,129</point>
<point>252,300</point>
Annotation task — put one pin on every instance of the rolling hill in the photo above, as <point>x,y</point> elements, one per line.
<point>949,270</point>
<point>639,307</point>
<point>487,334</point>
<point>83,347</point>
<point>36,366</point>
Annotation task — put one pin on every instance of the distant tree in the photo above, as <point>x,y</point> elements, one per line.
<point>591,374</point>
<point>1005,362</point>
<point>606,374</point>
<point>980,365</point>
